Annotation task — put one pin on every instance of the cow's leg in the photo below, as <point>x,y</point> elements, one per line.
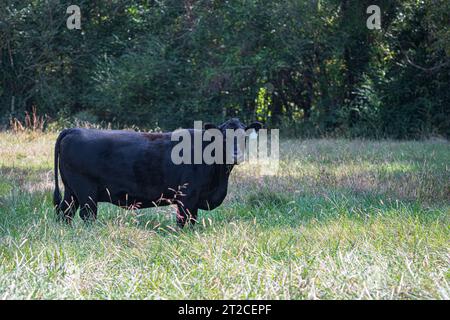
<point>87,198</point>
<point>68,207</point>
<point>186,214</point>
<point>66,210</point>
<point>88,211</point>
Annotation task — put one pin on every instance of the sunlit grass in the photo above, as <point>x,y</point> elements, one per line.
<point>341,220</point>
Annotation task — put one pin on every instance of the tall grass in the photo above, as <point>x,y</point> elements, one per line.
<point>341,220</point>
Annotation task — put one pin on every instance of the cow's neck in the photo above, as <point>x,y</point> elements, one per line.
<point>228,168</point>
<point>219,188</point>
<point>222,175</point>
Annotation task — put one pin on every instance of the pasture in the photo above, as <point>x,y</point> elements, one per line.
<point>342,219</point>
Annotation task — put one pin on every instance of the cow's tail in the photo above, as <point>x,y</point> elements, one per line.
<point>56,192</point>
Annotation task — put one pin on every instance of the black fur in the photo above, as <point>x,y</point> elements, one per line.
<point>132,169</point>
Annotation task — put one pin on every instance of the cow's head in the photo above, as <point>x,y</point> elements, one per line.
<point>234,131</point>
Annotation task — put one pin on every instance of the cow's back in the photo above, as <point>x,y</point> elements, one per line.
<point>121,162</point>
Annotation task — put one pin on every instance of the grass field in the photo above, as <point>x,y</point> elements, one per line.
<point>341,220</point>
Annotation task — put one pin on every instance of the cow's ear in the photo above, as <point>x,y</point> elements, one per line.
<point>210,126</point>
<point>255,125</point>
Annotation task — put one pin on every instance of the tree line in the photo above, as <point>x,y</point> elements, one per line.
<point>308,67</point>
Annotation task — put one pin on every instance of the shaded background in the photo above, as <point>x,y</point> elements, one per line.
<point>310,67</point>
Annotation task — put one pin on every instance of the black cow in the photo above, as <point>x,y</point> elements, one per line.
<point>134,169</point>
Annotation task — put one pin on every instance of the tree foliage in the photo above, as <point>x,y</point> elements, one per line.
<point>309,67</point>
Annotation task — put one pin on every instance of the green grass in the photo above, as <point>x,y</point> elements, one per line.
<point>341,220</point>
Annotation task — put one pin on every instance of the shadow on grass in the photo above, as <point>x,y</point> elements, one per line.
<point>265,206</point>
<point>275,209</point>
